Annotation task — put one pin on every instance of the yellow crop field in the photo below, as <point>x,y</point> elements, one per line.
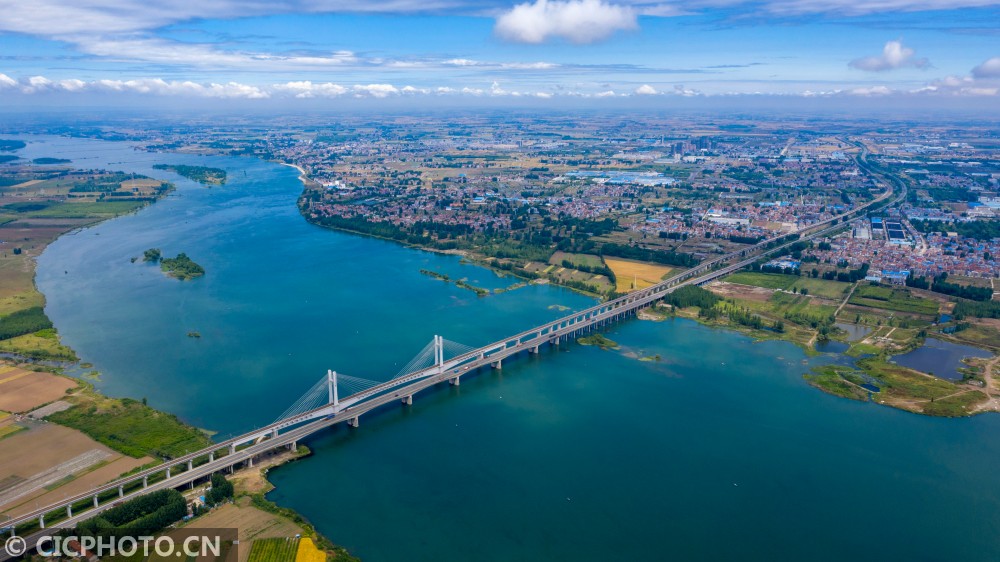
<point>308,552</point>
<point>632,275</point>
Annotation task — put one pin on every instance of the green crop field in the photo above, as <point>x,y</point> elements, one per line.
<point>274,550</point>
<point>888,298</point>
<point>766,280</point>
<point>87,210</point>
<point>588,260</point>
<point>836,290</point>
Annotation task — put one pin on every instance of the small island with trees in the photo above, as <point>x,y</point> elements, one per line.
<point>200,174</point>
<point>180,267</point>
<point>11,145</point>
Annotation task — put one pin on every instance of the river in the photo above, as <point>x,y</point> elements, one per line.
<point>718,451</point>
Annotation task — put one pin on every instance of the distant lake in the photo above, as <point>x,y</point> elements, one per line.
<point>940,358</point>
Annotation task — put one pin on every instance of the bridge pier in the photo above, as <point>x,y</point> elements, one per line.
<point>121,491</point>
<point>232,448</point>
<point>69,511</point>
<point>145,482</point>
<point>250,462</point>
<point>353,422</point>
<point>498,364</point>
<point>95,501</point>
<point>168,473</point>
<point>533,350</point>
<point>408,400</point>
<point>41,521</point>
<point>294,446</point>
<point>455,381</point>
<point>211,457</point>
<point>190,465</point>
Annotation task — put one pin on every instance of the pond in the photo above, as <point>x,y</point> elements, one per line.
<point>830,346</point>
<point>939,358</point>
<point>854,331</point>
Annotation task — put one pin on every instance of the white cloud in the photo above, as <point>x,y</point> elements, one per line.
<point>156,86</point>
<point>894,55</point>
<point>951,86</point>
<point>72,85</point>
<point>989,69</point>
<point>680,90</point>
<point>579,21</point>
<point>375,90</point>
<point>68,17</point>
<point>871,91</point>
<point>307,89</point>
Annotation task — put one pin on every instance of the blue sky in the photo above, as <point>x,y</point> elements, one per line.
<point>66,51</point>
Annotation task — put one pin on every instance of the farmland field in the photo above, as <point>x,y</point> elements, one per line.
<point>588,260</point>
<point>766,280</point>
<point>888,298</point>
<point>274,550</point>
<point>822,287</point>
<point>308,552</point>
<point>22,390</point>
<point>632,275</point>
<point>254,525</point>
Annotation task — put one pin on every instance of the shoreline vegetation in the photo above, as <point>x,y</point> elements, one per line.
<point>180,267</point>
<point>799,308</point>
<point>806,321</point>
<point>31,344</point>
<point>460,283</point>
<point>201,174</point>
<point>599,340</point>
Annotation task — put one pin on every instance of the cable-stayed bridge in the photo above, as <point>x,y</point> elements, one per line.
<point>339,397</point>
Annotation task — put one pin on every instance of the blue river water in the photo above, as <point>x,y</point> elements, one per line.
<point>718,450</point>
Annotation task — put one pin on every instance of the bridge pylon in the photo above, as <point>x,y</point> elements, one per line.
<point>331,387</point>
<point>438,350</point>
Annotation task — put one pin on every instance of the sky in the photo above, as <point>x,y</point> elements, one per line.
<point>328,53</point>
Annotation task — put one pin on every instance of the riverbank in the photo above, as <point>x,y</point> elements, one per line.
<point>803,310</point>
<point>497,265</point>
<point>258,519</point>
<point>105,437</point>
<point>92,438</point>
<point>303,176</point>
<point>813,322</point>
